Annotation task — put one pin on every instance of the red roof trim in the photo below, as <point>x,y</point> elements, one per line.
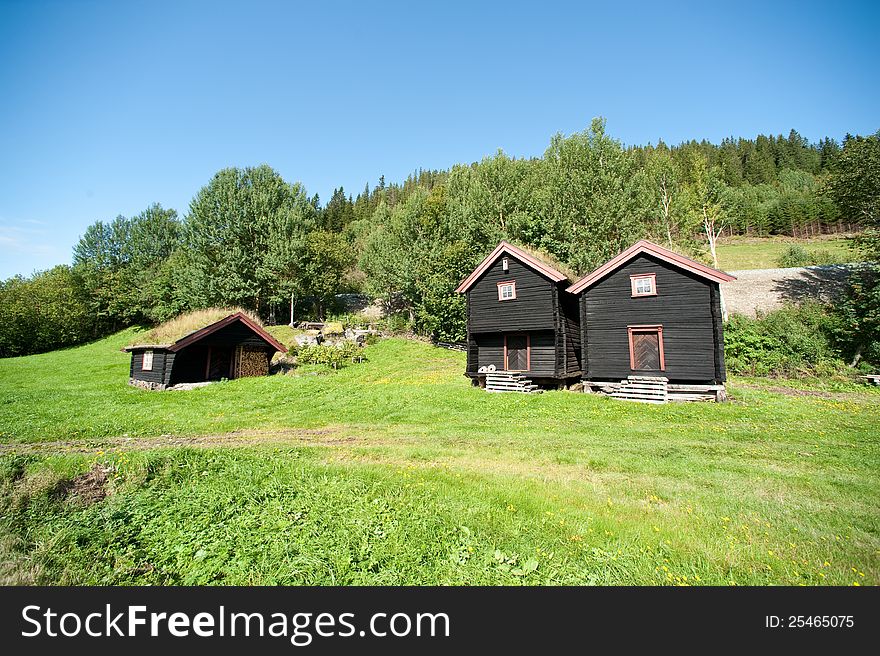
<point>521,255</point>
<point>214,327</point>
<point>659,252</point>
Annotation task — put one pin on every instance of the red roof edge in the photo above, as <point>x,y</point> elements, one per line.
<point>645,246</point>
<point>510,249</point>
<point>217,325</point>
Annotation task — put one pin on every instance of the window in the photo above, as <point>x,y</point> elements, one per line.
<point>644,284</point>
<point>505,265</point>
<point>506,290</point>
<point>646,348</point>
<point>147,364</point>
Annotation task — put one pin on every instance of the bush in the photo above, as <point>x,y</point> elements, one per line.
<point>47,311</point>
<point>396,324</point>
<point>334,356</point>
<point>796,340</point>
<point>857,331</point>
<point>798,256</point>
<point>353,319</point>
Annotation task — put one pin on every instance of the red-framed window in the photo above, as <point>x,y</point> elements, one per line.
<point>646,348</point>
<point>643,284</point>
<point>507,290</point>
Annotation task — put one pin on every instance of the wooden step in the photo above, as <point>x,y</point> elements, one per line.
<point>509,381</point>
<point>642,389</point>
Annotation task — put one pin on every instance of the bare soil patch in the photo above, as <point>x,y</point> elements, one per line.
<point>90,487</point>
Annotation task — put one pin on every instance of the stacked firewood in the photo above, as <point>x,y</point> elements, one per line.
<point>252,362</point>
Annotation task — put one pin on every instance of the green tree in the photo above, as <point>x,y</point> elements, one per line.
<point>46,311</point>
<point>854,185</point>
<point>324,261</point>
<point>118,262</point>
<point>244,233</point>
<point>589,198</point>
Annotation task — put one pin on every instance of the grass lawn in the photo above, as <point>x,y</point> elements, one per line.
<point>396,471</point>
<point>737,253</point>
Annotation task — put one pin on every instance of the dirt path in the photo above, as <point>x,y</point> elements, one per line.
<point>301,437</point>
<point>765,290</point>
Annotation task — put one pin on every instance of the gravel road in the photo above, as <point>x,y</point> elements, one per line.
<point>765,290</point>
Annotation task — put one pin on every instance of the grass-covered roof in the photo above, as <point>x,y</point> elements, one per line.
<point>182,325</point>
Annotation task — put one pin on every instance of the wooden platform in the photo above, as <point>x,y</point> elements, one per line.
<point>641,388</point>
<point>509,381</point>
<point>644,389</point>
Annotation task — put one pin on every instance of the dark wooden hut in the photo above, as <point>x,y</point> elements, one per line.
<point>652,313</point>
<point>233,347</point>
<point>520,320</point>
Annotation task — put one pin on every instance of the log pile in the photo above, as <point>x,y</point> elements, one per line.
<point>252,362</point>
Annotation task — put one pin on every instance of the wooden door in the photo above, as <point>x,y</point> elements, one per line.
<point>646,350</point>
<point>516,353</point>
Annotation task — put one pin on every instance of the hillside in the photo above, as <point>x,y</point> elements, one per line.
<point>396,471</point>
<point>738,252</point>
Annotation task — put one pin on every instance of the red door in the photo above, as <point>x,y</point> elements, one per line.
<point>646,348</point>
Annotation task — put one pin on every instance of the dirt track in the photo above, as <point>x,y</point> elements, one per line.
<point>288,436</point>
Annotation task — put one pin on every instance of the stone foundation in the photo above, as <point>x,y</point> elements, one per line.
<point>144,384</point>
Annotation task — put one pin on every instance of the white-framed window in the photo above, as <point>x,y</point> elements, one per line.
<point>147,364</point>
<point>506,290</point>
<point>505,264</point>
<point>644,284</point>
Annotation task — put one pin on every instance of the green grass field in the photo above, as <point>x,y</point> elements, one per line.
<point>396,471</point>
<point>737,253</point>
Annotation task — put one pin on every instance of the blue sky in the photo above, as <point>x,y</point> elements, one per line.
<point>108,107</point>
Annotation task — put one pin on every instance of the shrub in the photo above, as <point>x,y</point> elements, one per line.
<point>334,356</point>
<point>796,340</point>
<point>353,319</point>
<point>798,256</point>
<point>396,324</point>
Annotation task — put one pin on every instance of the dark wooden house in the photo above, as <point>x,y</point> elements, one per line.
<point>232,347</point>
<point>652,313</point>
<point>520,319</point>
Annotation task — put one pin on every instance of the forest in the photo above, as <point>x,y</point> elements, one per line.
<point>252,239</point>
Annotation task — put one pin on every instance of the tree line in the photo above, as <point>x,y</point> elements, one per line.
<point>252,239</point>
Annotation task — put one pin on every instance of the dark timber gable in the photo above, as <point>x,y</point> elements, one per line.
<point>685,310</point>
<point>542,311</point>
<point>685,305</point>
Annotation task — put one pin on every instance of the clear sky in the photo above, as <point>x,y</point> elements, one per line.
<point>108,107</point>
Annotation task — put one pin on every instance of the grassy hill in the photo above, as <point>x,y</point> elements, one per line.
<point>396,471</point>
<point>737,253</point>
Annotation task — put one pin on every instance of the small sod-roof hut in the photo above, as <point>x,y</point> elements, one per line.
<point>202,346</point>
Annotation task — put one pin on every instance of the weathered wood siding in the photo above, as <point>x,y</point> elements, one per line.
<point>571,329</point>
<point>532,309</point>
<point>191,362</point>
<point>541,309</point>
<point>158,374</point>
<point>542,352</point>
<point>235,334</point>
<point>687,307</point>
